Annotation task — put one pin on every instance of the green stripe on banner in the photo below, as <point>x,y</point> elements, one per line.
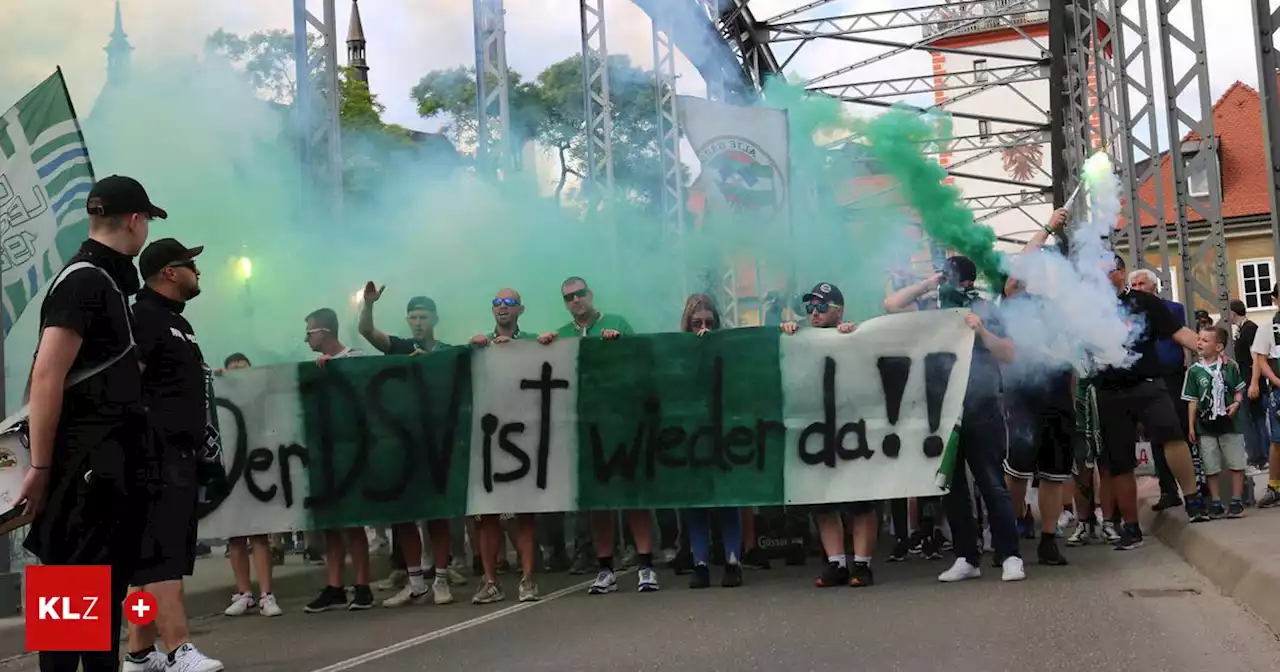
<point>59,144</point>
<point>17,294</point>
<point>678,420</point>
<point>44,107</point>
<point>79,171</point>
<point>7,147</point>
<point>389,438</point>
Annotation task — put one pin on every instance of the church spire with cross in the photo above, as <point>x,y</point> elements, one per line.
<point>119,52</point>
<point>356,44</point>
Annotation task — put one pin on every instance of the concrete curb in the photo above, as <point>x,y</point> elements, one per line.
<point>1254,582</point>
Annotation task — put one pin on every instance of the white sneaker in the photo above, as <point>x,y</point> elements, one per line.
<point>605,582</point>
<point>267,606</point>
<point>398,579</point>
<point>406,597</point>
<point>240,603</point>
<point>1109,533</point>
<point>440,593</point>
<point>647,580</point>
<point>1064,521</point>
<point>960,571</point>
<point>155,662</point>
<point>1083,534</point>
<point>1012,569</point>
<point>189,659</point>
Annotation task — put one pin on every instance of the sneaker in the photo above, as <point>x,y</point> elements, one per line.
<point>528,590</point>
<point>931,549</point>
<point>1236,510</point>
<point>701,577</point>
<point>330,597</point>
<point>754,559</point>
<point>1269,498</point>
<point>834,575</point>
<point>189,659</point>
<point>1166,502</point>
<point>268,606</point>
<point>1196,512</point>
<point>240,603</point>
<point>646,580</point>
<point>398,579</point>
<point>1049,554</point>
<point>1084,533</point>
<point>732,575</point>
<point>916,544</point>
<point>1217,510</point>
<point>312,556</point>
<point>457,578</point>
<point>361,599</point>
<point>441,593</point>
<point>488,593</point>
<point>1012,569</point>
<point>861,576</point>
<point>960,571</point>
<point>581,565</point>
<point>900,551</point>
<point>1065,520</point>
<point>605,582</point>
<point>152,662</point>
<point>1130,538</point>
<point>1109,533</point>
<point>406,597</point>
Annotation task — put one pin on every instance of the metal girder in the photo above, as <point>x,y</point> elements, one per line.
<point>1266,21</point>
<point>316,109</point>
<point>668,120</point>
<point>495,148</point>
<point>907,86</point>
<point>911,17</point>
<point>749,40</point>
<point>1179,80</point>
<point>1003,202</point>
<point>596,99</point>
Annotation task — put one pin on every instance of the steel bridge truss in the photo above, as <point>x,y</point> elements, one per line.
<point>315,108</point>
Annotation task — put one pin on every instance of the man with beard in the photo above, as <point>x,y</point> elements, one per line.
<point>507,309</point>
<point>174,380</point>
<point>422,317</point>
<point>87,425</point>
<point>825,306</point>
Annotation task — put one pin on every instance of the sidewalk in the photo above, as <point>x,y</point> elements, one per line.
<point>1238,556</point>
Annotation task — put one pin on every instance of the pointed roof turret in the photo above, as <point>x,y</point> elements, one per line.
<point>119,51</point>
<point>356,44</point>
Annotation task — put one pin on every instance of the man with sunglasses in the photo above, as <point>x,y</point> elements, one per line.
<point>825,306</point>
<point>175,381</point>
<point>406,538</point>
<point>507,309</point>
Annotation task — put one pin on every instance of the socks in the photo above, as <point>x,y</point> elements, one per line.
<point>840,560</point>
<point>442,576</point>
<point>606,564</point>
<point>645,560</point>
<point>861,559</point>
<point>140,656</point>
<point>417,580</point>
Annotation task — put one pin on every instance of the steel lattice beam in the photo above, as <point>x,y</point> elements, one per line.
<point>315,107</point>
<point>908,86</point>
<point>496,150</point>
<point>672,205</point>
<point>1266,21</point>
<point>596,99</point>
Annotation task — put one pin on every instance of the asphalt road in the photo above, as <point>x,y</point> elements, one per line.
<point>1145,610</point>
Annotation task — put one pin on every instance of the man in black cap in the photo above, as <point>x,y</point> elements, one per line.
<point>175,381</point>
<point>87,421</point>
<point>825,306</point>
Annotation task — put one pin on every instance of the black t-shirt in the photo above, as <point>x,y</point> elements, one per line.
<point>1244,355</point>
<point>984,372</point>
<point>407,346</point>
<point>1149,320</point>
<point>173,382</point>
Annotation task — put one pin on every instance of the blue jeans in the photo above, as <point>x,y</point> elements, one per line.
<point>1253,423</point>
<point>982,447</point>
<point>699,522</point>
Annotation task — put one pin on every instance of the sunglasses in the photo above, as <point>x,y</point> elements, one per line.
<point>313,332</point>
<point>576,295</point>
<point>697,324</point>
<point>508,302</point>
<point>183,264</point>
<point>819,307</point>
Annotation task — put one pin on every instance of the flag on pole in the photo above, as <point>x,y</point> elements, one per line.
<point>45,177</point>
<point>745,156</point>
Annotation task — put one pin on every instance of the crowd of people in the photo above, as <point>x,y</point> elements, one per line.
<point>108,377</point>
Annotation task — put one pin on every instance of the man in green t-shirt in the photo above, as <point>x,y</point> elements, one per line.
<point>587,321</point>
<point>507,309</point>
<point>1213,390</point>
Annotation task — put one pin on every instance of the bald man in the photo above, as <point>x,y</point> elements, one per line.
<point>507,308</point>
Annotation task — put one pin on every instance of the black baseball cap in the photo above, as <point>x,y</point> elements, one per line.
<point>421,303</point>
<point>962,269</point>
<point>120,195</point>
<point>1237,307</point>
<point>163,252</point>
<point>824,291</point>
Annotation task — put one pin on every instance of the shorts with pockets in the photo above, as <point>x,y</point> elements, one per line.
<point>1225,451</point>
<point>1120,411</point>
<point>169,536</point>
<point>1041,442</point>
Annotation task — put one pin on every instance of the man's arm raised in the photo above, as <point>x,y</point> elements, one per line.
<point>375,336</point>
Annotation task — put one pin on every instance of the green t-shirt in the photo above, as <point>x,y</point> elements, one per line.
<point>1198,387</point>
<point>601,323</point>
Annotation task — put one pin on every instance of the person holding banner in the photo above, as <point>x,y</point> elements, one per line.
<point>88,426</point>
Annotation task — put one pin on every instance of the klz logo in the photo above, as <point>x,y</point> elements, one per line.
<point>67,608</point>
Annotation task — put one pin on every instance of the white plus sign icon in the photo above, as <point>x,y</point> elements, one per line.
<point>141,608</point>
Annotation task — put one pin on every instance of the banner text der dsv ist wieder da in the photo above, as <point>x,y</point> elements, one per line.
<point>741,417</point>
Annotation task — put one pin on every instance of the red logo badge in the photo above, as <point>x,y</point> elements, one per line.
<point>140,608</point>
<point>68,608</point>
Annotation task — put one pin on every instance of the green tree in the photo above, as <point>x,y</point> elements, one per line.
<point>449,96</point>
<point>266,56</point>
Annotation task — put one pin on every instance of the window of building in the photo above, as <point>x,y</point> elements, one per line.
<point>984,129</point>
<point>1198,183</point>
<point>980,70</point>
<point>1256,279</point>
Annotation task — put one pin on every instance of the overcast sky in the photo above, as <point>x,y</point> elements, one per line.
<point>408,38</point>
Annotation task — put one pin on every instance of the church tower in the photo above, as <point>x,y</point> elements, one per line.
<point>355,45</point>
<point>119,52</point>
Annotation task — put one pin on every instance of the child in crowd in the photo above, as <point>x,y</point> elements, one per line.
<point>1213,390</point>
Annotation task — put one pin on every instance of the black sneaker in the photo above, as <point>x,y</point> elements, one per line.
<point>931,547</point>
<point>834,575</point>
<point>1130,537</point>
<point>1217,510</point>
<point>701,577</point>
<point>1166,502</point>
<point>732,576</point>
<point>312,556</point>
<point>861,576</point>
<point>330,597</point>
<point>900,551</point>
<point>916,544</point>
<point>1236,510</point>
<point>754,559</point>
<point>362,598</point>
<point>1196,512</point>
<point>1049,553</point>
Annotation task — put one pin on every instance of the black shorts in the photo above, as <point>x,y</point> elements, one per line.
<point>850,508</point>
<point>1119,413</point>
<point>1041,442</point>
<point>168,550</point>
